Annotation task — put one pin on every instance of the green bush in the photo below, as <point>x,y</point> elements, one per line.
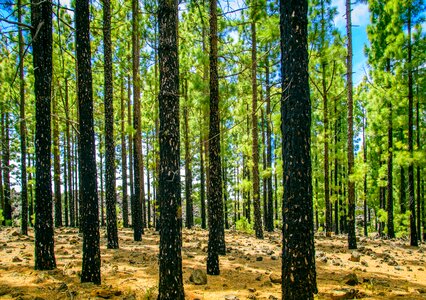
<point>243,225</point>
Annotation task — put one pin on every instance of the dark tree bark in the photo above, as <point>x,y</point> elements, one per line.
<point>129,123</point>
<point>364,125</point>
<point>337,203</point>
<point>111,198</point>
<point>328,205</point>
<point>188,172</point>
<point>66,215</point>
<point>202,184</point>
<point>7,206</point>
<point>69,159</point>
<point>391,230</point>
<point>349,87</point>
<point>91,266</point>
<point>125,206</point>
<point>255,139</point>
<point>270,217</point>
<point>418,194</point>
<point>56,167</point>
<point>22,129</point>
<point>41,20</point>
<point>264,179</point>
<point>101,179</point>
<point>411,192</point>
<point>171,283</point>
<point>215,201</point>
<point>137,221</point>
<point>298,257</point>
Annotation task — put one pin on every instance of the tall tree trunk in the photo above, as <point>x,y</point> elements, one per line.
<point>328,205</point>
<point>111,197</point>
<point>364,125</point>
<point>91,265</point>
<point>411,192</point>
<point>65,180</point>
<point>170,259</point>
<point>270,219</point>
<point>56,166</point>
<point>7,207</point>
<point>41,31</point>
<point>101,179</point>
<point>202,183</point>
<point>125,205</point>
<point>337,203</point>
<point>391,230</point>
<point>418,195</point>
<point>215,202</point>
<point>69,158</point>
<point>129,124</point>
<point>22,129</point>
<point>148,185</point>
<point>188,172</point>
<point>349,87</point>
<point>137,143</point>
<point>255,138</point>
<point>264,179</point>
<point>298,256</point>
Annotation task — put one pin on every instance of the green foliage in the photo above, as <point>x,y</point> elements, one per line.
<point>243,225</point>
<point>402,224</point>
<point>1,216</point>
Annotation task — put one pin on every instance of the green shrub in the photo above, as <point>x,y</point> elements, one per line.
<point>243,225</point>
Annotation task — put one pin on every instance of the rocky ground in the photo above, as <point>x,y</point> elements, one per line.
<point>379,269</point>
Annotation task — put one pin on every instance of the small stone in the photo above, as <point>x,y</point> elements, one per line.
<point>251,290</point>
<point>198,277</point>
<point>16,259</point>
<point>275,278</point>
<point>9,251</point>
<point>274,257</point>
<point>267,284</point>
<point>15,233</point>
<point>355,256</point>
<point>259,258</point>
<point>259,278</point>
<point>344,294</point>
<point>351,279</point>
<point>231,258</point>
<point>63,287</point>
<point>272,297</point>
<point>364,263</point>
<point>231,297</point>
<point>421,291</point>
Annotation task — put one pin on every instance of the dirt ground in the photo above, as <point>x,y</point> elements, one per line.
<point>381,269</point>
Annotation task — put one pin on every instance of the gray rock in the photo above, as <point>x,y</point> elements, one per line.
<point>231,297</point>
<point>198,277</point>
<point>355,256</point>
<point>351,279</point>
<point>275,278</point>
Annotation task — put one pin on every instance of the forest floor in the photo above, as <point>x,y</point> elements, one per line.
<point>380,269</point>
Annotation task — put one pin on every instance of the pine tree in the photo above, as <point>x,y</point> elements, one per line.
<point>298,256</point>
<point>41,20</point>
<point>91,266</point>
<point>171,283</point>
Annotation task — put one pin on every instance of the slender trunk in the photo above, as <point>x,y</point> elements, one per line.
<point>270,220</point>
<point>215,201</point>
<point>411,192</point>
<point>419,149</point>
<point>351,184</point>
<point>255,138</point>
<point>188,172</point>
<point>391,230</point>
<point>101,179</point>
<point>69,159</point>
<point>7,207</point>
<point>125,205</point>
<point>264,185</point>
<point>364,125</point>
<point>66,219</point>
<point>202,183</point>
<point>328,205</point>
<point>148,185</point>
<point>22,129</point>
<point>402,182</point>
<point>111,197</point>
<point>137,143</point>
<point>56,166</point>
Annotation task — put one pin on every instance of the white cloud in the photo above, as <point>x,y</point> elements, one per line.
<point>360,14</point>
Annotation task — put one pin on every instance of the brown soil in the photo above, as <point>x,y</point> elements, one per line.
<point>386,270</point>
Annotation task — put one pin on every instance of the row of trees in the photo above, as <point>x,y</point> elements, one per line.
<point>221,156</point>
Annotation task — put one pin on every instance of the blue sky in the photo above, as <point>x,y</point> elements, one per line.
<point>360,20</point>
